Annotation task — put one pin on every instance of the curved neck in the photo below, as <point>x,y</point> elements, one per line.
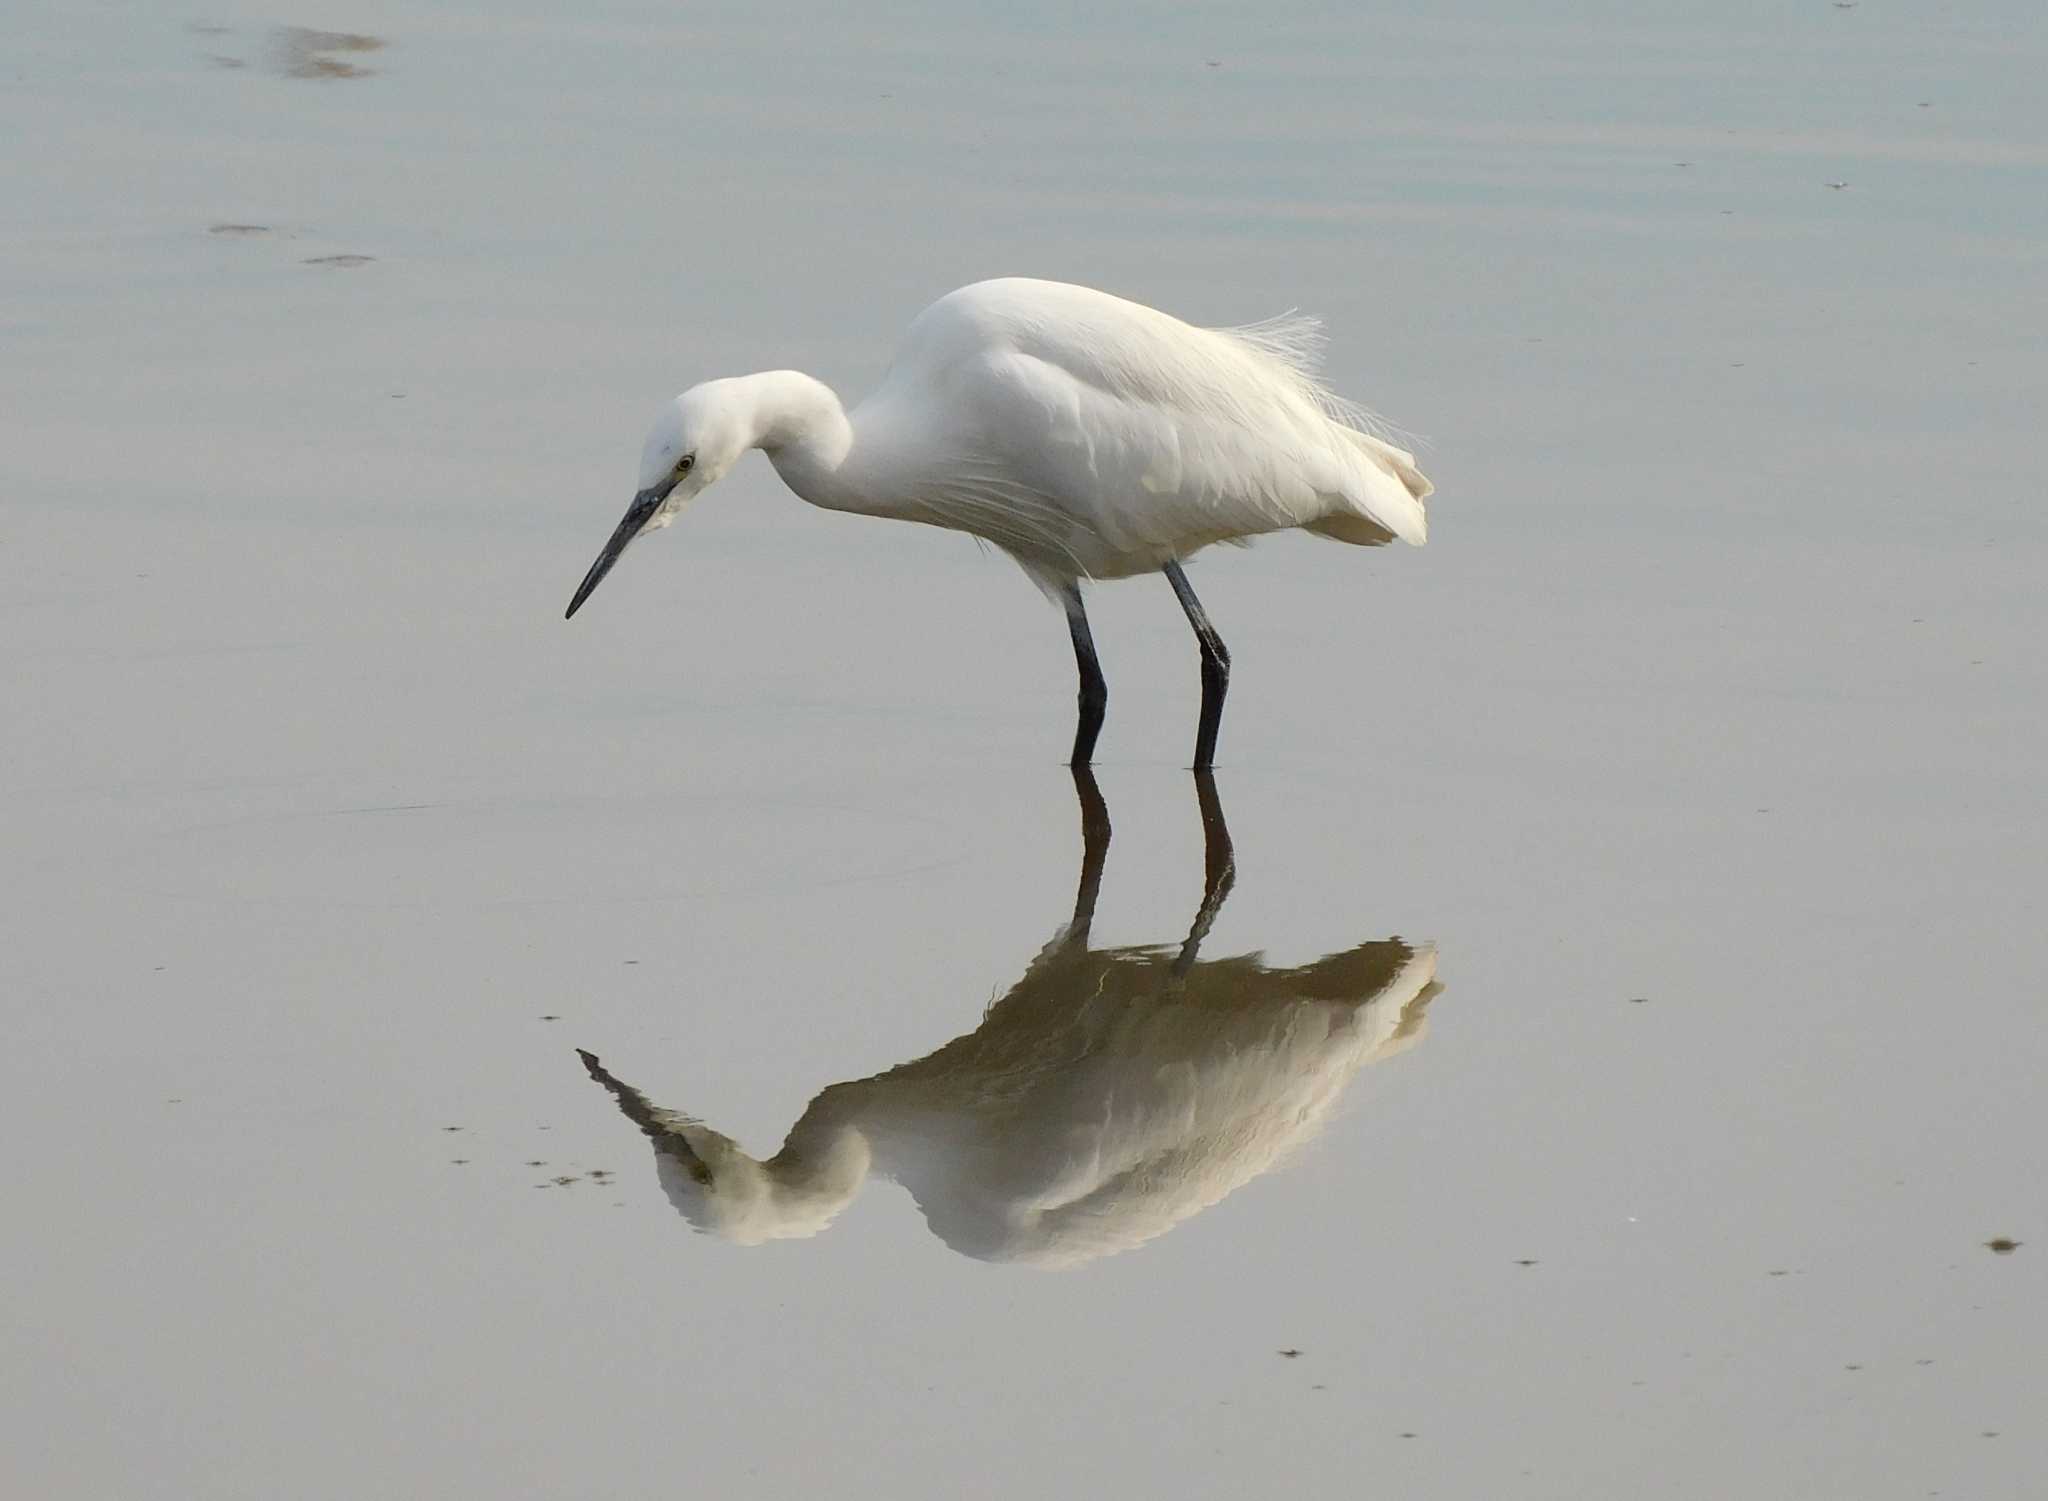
<point>802,427</point>
<point>818,1171</point>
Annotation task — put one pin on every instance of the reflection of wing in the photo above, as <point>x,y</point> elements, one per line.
<point>1098,1119</point>
<point>1100,1102</point>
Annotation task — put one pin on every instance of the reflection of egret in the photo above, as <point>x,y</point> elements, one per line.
<point>1108,1096</point>
<point>1086,436</point>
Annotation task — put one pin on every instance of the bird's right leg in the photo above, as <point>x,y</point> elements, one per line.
<point>1215,667</point>
<point>1094,691</point>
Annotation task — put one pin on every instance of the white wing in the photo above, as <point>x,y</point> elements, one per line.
<point>1150,437</point>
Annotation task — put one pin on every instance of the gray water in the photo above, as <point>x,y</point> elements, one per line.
<point>1703,743</point>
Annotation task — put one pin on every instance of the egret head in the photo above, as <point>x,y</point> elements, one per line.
<point>695,440</point>
<point>722,1191</point>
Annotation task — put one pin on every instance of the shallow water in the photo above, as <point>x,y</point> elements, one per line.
<point>1703,745</point>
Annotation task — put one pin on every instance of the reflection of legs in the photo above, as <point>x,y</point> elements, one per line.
<point>1094,691</point>
<point>1219,869</point>
<point>1094,848</point>
<point>1215,667</point>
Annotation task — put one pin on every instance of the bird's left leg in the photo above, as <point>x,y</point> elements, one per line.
<point>1094,848</point>
<point>1219,869</point>
<point>1215,667</point>
<point>1094,691</point>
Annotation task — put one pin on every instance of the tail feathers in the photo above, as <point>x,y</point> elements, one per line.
<point>1398,460</point>
<point>1382,497</point>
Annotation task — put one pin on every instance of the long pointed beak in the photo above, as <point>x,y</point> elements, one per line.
<point>658,1124</point>
<point>638,514</point>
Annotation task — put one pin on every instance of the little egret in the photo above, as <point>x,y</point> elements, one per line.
<point>1086,436</point>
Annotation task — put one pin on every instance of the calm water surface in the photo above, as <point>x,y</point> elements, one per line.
<point>1622,1036</point>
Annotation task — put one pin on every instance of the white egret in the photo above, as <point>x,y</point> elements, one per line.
<point>1108,1096</point>
<point>1087,436</point>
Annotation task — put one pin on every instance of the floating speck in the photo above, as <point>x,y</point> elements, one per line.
<point>1289,1354</point>
<point>239,231</point>
<point>2003,1245</point>
<point>344,261</point>
<point>300,52</point>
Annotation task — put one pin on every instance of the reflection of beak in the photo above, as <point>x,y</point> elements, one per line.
<point>660,1125</point>
<point>638,514</point>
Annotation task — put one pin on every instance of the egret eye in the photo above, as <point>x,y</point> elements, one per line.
<point>683,464</point>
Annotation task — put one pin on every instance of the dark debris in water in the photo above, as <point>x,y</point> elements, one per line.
<point>338,260</point>
<point>1289,1354</point>
<point>301,52</point>
<point>238,230</point>
<point>2003,1245</point>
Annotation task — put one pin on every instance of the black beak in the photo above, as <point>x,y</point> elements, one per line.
<point>642,1112</point>
<point>638,514</point>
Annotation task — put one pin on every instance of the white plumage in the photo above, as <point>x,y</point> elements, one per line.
<point>1096,438</point>
<point>1087,436</point>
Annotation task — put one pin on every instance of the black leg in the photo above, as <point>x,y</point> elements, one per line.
<point>1094,847</point>
<point>1215,668</point>
<point>1094,691</point>
<point>1219,869</point>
